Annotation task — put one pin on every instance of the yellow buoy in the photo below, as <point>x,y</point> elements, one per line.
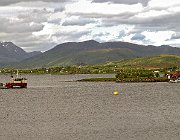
<point>116,93</point>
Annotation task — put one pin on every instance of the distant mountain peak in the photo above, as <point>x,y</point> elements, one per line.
<point>90,41</point>
<point>6,44</point>
<point>12,48</point>
<point>9,52</point>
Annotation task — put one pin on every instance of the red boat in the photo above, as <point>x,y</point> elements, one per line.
<point>17,82</point>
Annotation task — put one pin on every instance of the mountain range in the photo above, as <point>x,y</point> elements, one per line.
<point>10,53</point>
<point>78,53</point>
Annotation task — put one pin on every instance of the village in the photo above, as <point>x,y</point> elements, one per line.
<point>121,74</point>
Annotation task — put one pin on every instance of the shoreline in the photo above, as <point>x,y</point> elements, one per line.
<point>128,80</point>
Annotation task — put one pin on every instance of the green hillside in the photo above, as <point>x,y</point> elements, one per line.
<point>93,53</point>
<point>162,61</point>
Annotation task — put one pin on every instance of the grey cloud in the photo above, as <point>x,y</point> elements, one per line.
<point>15,36</point>
<point>169,21</point>
<point>72,35</point>
<point>37,16</point>
<point>28,42</point>
<point>172,21</point>
<point>122,34</point>
<point>18,27</point>
<point>114,20</point>
<point>60,9</point>
<point>129,2</point>
<point>176,36</point>
<point>80,22</point>
<point>138,37</point>
<point>9,2</point>
<point>55,21</point>
<point>161,23</point>
<point>36,45</point>
<point>98,37</point>
<point>62,37</point>
<point>124,15</point>
<point>20,31</point>
<point>18,38</point>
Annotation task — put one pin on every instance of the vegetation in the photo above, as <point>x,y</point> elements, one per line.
<point>163,79</point>
<point>137,70</point>
<point>153,62</point>
<point>134,73</point>
<point>88,69</point>
<point>163,62</point>
<point>139,75</point>
<point>97,80</point>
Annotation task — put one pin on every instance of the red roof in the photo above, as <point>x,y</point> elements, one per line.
<point>176,75</point>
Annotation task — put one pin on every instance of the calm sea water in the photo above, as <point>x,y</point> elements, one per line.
<point>58,107</point>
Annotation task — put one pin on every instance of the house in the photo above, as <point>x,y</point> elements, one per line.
<point>175,77</point>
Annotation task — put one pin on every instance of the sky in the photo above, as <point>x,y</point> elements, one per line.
<point>39,25</point>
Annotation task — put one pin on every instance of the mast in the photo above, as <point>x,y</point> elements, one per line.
<point>17,74</point>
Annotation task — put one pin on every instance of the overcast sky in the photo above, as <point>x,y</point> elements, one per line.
<point>40,25</point>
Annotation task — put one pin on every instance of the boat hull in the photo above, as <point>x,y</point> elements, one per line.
<point>174,81</point>
<point>16,85</point>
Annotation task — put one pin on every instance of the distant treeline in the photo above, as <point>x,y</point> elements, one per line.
<point>122,74</point>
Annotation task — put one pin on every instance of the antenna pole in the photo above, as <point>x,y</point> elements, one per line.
<point>17,74</point>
